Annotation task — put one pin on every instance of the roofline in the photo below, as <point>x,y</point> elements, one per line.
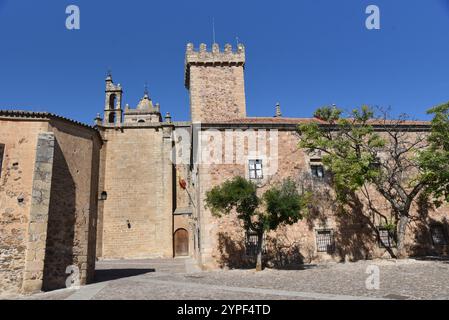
<point>38,115</point>
<point>294,126</point>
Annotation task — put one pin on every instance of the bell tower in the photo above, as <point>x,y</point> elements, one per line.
<point>113,103</point>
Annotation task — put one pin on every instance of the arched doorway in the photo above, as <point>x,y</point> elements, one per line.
<point>181,242</point>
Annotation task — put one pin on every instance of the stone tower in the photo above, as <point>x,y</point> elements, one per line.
<point>215,81</point>
<point>113,103</point>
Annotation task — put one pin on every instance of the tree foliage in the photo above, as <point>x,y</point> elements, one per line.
<point>435,159</point>
<point>349,147</point>
<point>363,151</point>
<point>279,205</point>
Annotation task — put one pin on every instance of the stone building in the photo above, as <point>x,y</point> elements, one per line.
<point>48,200</point>
<point>133,186</point>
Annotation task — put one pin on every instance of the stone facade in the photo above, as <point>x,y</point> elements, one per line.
<point>216,83</point>
<point>48,196</point>
<point>135,154</point>
<point>133,186</point>
<point>223,241</point>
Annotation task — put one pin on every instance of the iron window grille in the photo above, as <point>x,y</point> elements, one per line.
<point>325,240</point>
<point>386,238</point>
<point>317,171</point>
<point>439,237</point>
<point>252,239</point>
<point>255,169</point>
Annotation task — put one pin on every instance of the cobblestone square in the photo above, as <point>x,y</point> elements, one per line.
<point>177,279</point>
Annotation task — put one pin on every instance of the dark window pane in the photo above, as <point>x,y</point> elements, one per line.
<point>438,235</point>
<point>317,171</point>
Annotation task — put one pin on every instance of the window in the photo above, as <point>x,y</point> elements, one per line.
<point>386,238</point>
<point>112,102</point>
<point>112,117</point>
<point>251,243</point>
<point>2,150</point>
<point>439,237</point>
<point>255,169</point>
<point>317,170</point>
<point>325,240</point>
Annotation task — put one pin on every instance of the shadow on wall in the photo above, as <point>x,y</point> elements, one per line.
<point>279,253</point>
<point>424,244</point>
<point>61,224</point>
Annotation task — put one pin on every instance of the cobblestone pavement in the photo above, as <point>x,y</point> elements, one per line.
<point>177,279</point>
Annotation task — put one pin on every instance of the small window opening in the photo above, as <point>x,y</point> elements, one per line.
<point>255,169</point>
<point>325,240</point>
<point>112,102</point>
<point>386,238</point>
<point>439,237</point>
<point>112,117</point>
<point>317,171</point>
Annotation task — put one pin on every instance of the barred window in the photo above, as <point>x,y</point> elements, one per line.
<point>255,169</point>
<point>386,238</point>
<point>251,243</point>
<point>2,150</point>
<point>439,237</point>
<point>317,171</point>
<point>325,240</point>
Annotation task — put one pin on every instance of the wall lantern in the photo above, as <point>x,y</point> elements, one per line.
<point>104,196</point>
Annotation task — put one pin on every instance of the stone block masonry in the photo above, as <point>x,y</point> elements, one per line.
<point>40,203</point>
<point>216,83</point>
<point>48,201</point>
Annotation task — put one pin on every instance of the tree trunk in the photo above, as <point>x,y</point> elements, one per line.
<point>403,221</point>
<point>259,266</point>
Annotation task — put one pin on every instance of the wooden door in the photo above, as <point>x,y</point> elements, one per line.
<point>181,243</point>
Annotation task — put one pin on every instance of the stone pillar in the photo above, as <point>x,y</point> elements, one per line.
<point>167,178</point>
<point>40,202</point>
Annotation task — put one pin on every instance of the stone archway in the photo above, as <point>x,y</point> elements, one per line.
<point>181,242</point>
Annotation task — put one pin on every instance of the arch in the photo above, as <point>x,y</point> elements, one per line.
<point>111,118</point>
<point>112,98</point>
<point>141,121</point>
<point>181,242</point>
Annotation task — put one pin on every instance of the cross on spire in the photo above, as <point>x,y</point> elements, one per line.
<point>145,91</point>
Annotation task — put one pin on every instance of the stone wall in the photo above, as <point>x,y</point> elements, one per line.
<point>73,205</point>
<point>48,202</point>
<point>216,83</point>
<point>223,239</point>
<point>138,178</point>
<point>16,180</point>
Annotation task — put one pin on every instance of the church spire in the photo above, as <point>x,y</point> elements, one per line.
<point>145,91</point>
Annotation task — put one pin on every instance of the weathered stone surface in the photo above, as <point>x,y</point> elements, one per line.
<point>16,179</point>
<point>137,215</point>
<point>52,167</point>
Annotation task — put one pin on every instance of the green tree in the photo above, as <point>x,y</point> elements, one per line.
<point>363,152</point>
<point>435,159</point>
<point>280,205</point>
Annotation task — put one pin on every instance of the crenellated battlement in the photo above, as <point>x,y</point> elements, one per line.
<point>213,57</point>
<point>204,56</point>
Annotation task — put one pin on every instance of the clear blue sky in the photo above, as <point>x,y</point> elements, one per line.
<point>304,54</point>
